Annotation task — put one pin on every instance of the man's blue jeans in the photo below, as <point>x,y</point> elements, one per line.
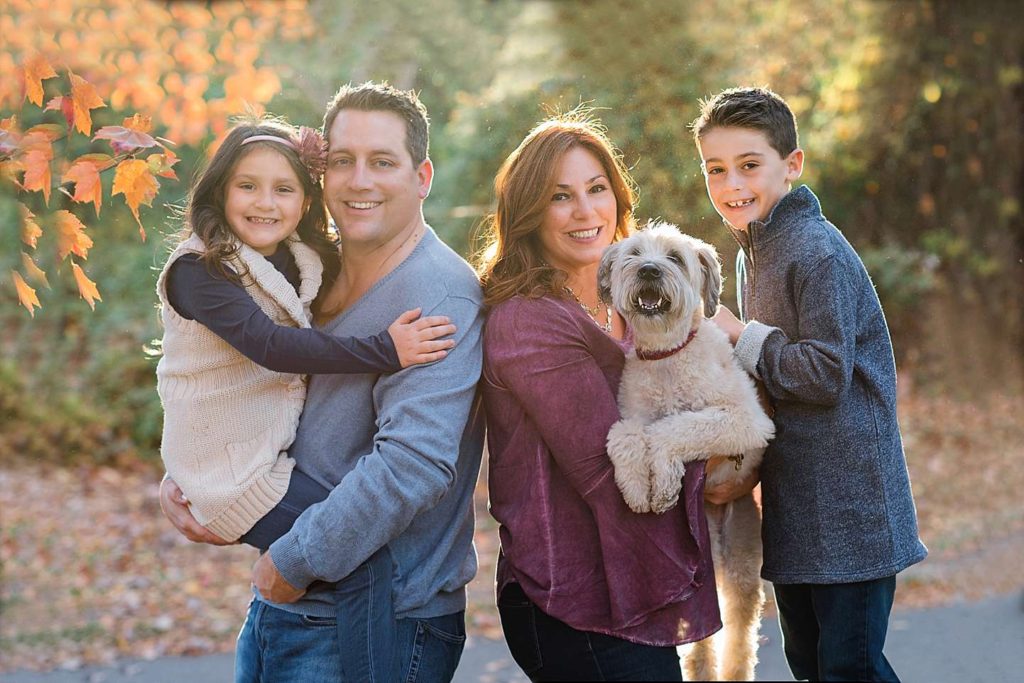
<point>835,632</point>
<point>355,644</point>
<point>275,646</point>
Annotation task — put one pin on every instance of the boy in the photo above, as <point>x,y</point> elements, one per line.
<point>839,518</point>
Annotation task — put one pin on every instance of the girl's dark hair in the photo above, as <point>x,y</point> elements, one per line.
<point>204,212</point>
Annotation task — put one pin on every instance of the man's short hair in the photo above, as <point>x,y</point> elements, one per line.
<point>756,108</point>
<point>372,96</point>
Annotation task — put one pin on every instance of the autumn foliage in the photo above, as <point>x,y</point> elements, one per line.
<point>27,161</point>
<point>184,67</point>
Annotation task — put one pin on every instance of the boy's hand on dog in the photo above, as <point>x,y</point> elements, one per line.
<point>175,508</point>
<point>728,323</point>
<point>730,490</point>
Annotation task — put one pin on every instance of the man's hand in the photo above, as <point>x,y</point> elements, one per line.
<point>728,323</point>
<point>728,491</point>
<point>271,585</point>
<point>175,507</point>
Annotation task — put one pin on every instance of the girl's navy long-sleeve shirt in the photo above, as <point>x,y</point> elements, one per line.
<point>228,310</point>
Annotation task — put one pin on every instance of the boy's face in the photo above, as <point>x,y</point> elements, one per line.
<point>745,176</point>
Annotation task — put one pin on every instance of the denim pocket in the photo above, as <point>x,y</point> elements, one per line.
<point>319,622</point>
<point>436,648</point>
<point>445,634</point>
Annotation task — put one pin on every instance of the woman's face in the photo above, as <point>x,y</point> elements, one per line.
<point>580,218</point>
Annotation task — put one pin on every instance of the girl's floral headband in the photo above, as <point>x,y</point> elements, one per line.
<point>311,148</point>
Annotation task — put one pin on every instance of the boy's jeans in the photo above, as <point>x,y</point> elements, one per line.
<point>370,646</point>
<point>835,632</point>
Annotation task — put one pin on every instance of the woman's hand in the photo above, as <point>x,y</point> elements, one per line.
<point>419,340</point>
<point>728,491</point>
<point>175,507</point>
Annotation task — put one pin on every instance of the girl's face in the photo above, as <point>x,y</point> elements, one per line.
<point>264,200</point>
<point>580,219</point>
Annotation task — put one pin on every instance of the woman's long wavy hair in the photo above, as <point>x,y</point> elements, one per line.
<point>204,211</point>
<point>510,262</point>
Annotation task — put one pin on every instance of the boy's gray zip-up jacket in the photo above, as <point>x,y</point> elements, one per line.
<point>836,493</point>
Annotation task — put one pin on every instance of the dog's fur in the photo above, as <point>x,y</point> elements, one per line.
<point>691,405</point>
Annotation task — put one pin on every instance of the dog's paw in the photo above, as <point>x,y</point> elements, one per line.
<point>666,483</point>
<point>627,449</point>
<point>636,493</point>
<point>627,441</point>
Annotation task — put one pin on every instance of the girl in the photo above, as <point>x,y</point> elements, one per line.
<point>236,299</point>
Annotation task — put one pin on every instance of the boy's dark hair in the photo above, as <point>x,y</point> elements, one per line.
<point>756,108</point>
<point>372,96</point>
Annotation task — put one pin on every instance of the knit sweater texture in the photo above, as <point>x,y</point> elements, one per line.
<point>227,420</point>
<point>400,452</point>
<point>836,493</point>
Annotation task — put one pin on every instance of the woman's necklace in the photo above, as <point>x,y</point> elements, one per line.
<point>593,311</point>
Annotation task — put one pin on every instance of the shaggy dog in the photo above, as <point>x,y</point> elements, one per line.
<point>684,397</point>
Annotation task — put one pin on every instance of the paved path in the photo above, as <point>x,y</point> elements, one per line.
<point>966,643</point>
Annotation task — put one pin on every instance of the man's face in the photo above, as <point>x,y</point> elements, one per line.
<point>745,176</point>
<point>371,187</point>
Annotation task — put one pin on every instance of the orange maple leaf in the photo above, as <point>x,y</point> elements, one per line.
<point>34,272</point>
<point>139,123</point>
<point>86,287</point>
<point>35,71</point>
<point>42,136</point>
<point>26,295</point>
<point>71,237</point>
<point>30,231</point>
<point>84,98</point>
<point>160,164</point>
<point>37,172</point>
<point>134,180</point>
<point>37,148</point>
<point>85,174</point>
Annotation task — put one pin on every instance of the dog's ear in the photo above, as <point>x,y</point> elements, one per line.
<point>604,272</point>
<point>711,269</point>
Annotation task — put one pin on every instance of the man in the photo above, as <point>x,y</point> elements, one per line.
<point>400,452</point>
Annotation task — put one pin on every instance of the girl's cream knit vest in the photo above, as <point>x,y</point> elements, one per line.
<point>228,421</point>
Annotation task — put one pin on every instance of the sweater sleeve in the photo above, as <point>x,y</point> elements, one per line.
<point>230,313</point>
<point>421,415</point>
<point>546,362</point>
<point>817,366</point>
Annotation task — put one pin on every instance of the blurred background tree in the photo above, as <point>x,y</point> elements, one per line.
<point>910,113</point>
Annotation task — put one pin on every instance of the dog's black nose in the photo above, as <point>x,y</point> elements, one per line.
<point>649,271</point>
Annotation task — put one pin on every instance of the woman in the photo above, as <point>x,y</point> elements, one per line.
<point>587,589</point>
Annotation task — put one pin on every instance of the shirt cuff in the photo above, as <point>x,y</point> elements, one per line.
<point>290,562</point>
<point>748,346</point>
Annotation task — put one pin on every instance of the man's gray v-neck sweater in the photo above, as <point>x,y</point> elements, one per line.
<point>401,452</point>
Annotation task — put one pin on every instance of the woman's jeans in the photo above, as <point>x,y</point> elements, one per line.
<point>835,632</point>
<point>547,649</point>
